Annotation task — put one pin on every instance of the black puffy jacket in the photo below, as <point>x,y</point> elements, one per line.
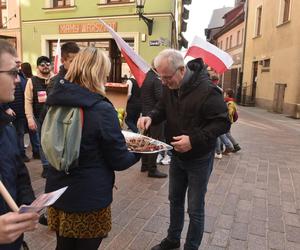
<point>196,109</point>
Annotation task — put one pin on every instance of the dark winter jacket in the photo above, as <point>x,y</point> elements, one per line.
<point>61,74</point>
<point>151,92</point>
<point>102,151</point>
<point>17,105</point>
<point>196,109</point>
<point>13,173</point>
<point>134,101</point>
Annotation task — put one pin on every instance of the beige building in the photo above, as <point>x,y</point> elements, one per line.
<point>271,77</point>
<point>10,22</point>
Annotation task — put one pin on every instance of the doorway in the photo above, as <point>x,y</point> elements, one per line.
<point>254,81</point>
<point>278,100</point>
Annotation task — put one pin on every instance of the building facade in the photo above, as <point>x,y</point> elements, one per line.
<point>271,78</point>
<point>10,22</point>
<point>230,39</point>
<point>46,21</point>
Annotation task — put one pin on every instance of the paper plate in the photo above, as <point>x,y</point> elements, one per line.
<point>142,144</point>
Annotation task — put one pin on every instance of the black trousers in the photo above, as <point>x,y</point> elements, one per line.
<point>64,243</point>
<point>149,160</point>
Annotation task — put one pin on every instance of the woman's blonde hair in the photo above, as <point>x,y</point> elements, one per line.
<point>90,69</point>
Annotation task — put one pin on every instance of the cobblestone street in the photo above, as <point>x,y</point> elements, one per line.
<point>253,199</point>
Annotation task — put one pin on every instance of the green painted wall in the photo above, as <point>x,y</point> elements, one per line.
<point>33,9</point>
<point>32,29</point>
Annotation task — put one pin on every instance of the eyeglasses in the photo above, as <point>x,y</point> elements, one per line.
<point>45,64</point>
<point>167,78</point>
<point>12,72</point>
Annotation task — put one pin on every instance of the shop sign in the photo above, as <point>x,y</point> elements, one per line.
<point>94,27</point>
<point>154,43</point>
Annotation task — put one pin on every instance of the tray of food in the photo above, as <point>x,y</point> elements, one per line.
<point>138,143</point>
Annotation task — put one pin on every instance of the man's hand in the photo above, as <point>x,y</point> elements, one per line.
<point>144,122</point>
<point>32,125</point>
<point>13,224</point>
<point>10,112</point>
<point>182,143</point>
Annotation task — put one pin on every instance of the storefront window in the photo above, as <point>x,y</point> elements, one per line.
<point>119,67</point>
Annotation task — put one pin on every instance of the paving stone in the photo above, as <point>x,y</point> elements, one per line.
<point>209,224</point>
<point>293,234</point>
<point>239,231</point>
<point>275,240</point>
<point>220,237</point>
<point>276,224</point>
<point>237,245</point>
<point>141,241</point>
<point>257,227</point>
<point>225,221</point>
<point>257,242</point>
<point>291,219</point>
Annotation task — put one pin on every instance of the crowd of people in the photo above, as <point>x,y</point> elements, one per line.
<point>177,103</point>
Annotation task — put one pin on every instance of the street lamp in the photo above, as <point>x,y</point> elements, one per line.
<point>140,11</point>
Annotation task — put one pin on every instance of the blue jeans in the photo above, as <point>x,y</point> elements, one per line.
<point>34,140</point>
<point>191,176</point>
<point>44,161</point>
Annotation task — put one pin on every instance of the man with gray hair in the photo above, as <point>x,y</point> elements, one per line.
<point>195,115</point>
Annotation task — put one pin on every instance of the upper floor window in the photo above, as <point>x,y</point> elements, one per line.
<point>285,9</point>
<point>221,45</point>
<point>238,37</point>
<point>115,1</point>
<point>230,41</point>
<point>258,21</point>
<point>3,13</point>
<point>57,4</point>
<point>61,3</point>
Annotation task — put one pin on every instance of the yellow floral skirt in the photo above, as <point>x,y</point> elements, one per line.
<point>80,225</point>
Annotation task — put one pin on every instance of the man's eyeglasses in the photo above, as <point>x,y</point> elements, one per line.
<point>167,78</point>
<point>12,72</point>
<point>45,64</point>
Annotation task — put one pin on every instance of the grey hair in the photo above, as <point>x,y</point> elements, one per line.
<point>174,58</point>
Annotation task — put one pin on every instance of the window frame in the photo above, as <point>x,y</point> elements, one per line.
<point>258,21</point>
<point>284,15</point>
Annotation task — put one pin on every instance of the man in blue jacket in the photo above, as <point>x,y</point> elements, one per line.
<point>13,173</point>
<point>195,115</point>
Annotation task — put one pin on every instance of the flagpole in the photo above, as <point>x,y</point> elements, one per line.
<point>8,199</point>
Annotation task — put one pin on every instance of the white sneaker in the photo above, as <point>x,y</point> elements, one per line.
<point>159,159</point>
<point>218,156</point>
<point>166,160</point>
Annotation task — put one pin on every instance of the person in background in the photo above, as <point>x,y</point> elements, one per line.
<point>81,217</point>
<point>26,70</point>
<point>16,110</point>
<point>68,51</point>
<point>196,115</point>
<point>35,99</point>
<point>13,173</point>
<point>33,135</point>
<point>151,92</point>
<point>134,106</point>
<point>231,110</point>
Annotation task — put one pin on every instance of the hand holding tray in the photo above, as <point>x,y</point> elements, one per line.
<point>138,143</point>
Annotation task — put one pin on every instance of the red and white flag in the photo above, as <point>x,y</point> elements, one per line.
<point>57,57</point>
<point>214,57</point>
<point>138,66</point>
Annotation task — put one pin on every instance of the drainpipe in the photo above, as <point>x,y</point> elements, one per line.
<point>244,49</point>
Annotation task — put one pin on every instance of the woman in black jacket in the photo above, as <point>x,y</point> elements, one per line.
<point>82,216</point>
